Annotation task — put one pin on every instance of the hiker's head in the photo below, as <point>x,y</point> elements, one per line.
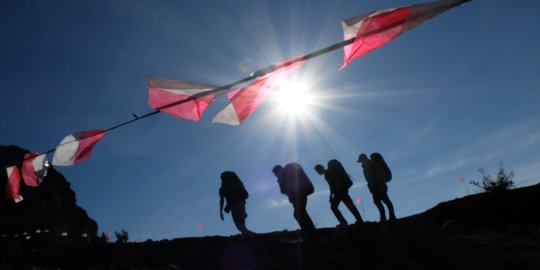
<point>228,176</point>
<point>277,170</point>
<point>362,158</point>
<point>319,169</point>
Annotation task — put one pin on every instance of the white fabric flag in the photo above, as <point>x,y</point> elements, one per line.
<point>76,147</point>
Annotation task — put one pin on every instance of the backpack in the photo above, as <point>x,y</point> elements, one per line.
<point>240,191</point>
<point>297,181</point>
<point>381,168</point>
<point>233,188</point>
<point>338,170</point>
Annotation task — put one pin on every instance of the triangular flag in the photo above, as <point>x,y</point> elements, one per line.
<point>246,99</point>
<point>76,147</point>
<point>375,29</point>
<point>34,169</point>
<point>13,185</point>
<point>190,98</point>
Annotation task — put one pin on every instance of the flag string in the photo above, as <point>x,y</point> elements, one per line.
<point>259,73</point>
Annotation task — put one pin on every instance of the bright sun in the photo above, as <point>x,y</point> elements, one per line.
<point>294,99</point>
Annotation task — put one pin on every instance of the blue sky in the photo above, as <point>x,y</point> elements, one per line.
<point>458,93</point>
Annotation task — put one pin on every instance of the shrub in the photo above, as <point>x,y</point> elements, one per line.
<point>121,237</point>
<point>501,183</point>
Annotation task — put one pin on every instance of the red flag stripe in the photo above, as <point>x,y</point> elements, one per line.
<point>33,169</point>
<point>164,93</point>
<point>13,184</point>
<point>245,100</point>
<point>378,28</point>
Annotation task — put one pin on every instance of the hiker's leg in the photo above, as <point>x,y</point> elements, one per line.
<point>238,212</point>
<point>378,203</point>
<point>386,200</point>
<point>350,205</point>
<point>334,206</point>
<point>301,215</point>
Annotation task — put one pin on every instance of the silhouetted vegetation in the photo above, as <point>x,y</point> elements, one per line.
<point>121,237</point>
<point>501,183</point>
<point>103,238</point>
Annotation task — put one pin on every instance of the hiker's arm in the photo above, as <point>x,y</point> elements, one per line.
<point>282,188</point>
<point>332,192</point>
<point>221,200</point>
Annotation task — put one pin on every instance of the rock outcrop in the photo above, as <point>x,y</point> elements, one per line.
<point>48,212</point>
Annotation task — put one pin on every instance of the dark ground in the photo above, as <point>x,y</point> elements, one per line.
<point>483,231</point>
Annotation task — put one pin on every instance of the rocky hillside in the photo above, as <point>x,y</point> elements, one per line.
<point>48,213</point>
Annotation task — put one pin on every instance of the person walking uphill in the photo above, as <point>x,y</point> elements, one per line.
<point>294,183</point>
<point>339,183</point>
<point>377,174</point>
<point>232,190</point>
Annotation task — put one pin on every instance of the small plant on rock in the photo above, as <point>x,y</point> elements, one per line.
<point>121,237</point>
<point>501,183</point>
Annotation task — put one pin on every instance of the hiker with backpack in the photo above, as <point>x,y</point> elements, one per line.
<point>233,192</point>
<point>377,174</point>
<point>294,183</point>
<point>339,183</point>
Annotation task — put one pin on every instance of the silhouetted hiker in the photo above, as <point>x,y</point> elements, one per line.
<point>294,183</point>
<point>234,192</point>
<point>377,185</point>
<point>339,183</point>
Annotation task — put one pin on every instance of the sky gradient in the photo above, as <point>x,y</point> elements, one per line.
<point>458,93</point>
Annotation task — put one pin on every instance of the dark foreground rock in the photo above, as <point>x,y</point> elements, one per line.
<point>483,231</point>
<point>48,213</point>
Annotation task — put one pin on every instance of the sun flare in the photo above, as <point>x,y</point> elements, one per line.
<point>294,98</point>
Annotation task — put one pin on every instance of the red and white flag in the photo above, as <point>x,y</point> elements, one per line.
<point>34,169</point>
<point>375,29</point>
<point>190,98</point>
<point>13,185</point>
<point>76,147</point>
<point>246,99</point>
